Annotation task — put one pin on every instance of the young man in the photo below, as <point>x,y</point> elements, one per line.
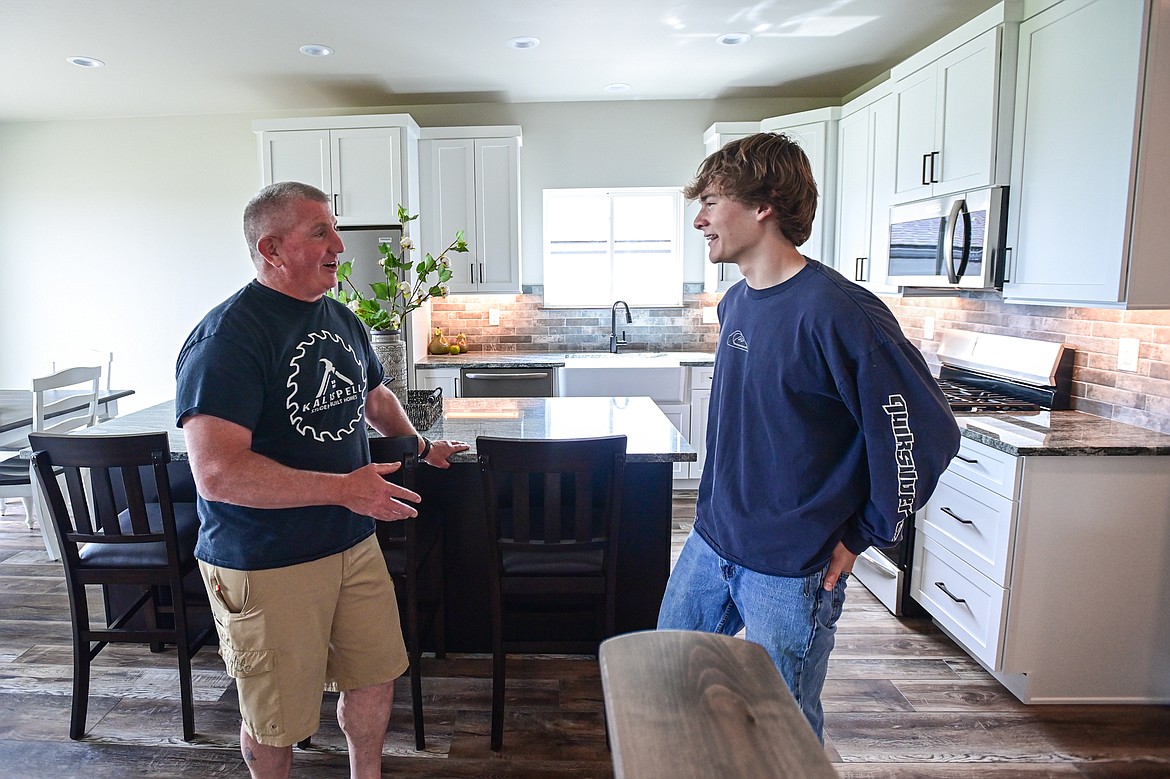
<point>275,387</point>
<point>827,430</point>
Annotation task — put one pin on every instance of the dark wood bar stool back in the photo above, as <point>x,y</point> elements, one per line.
<point>413,549</point>
<point>552,509</point>
<point>128,541</point>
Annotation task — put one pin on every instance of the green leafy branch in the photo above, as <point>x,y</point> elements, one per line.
<point>395,297</point>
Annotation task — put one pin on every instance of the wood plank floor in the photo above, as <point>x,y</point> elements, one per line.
<point>901,701</point>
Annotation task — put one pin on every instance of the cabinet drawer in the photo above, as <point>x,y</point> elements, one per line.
<point>987,467</point>
<point>972,522</point>
<point>963,601</point>
<point>701,378</point>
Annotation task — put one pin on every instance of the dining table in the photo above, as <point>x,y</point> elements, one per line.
<point>16,409</point>
<point>454,496</point>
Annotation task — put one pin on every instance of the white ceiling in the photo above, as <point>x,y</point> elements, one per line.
<point>241,56</point>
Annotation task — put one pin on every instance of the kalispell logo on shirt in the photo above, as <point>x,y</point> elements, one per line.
<point>737,341</point>
<point>326,387</point>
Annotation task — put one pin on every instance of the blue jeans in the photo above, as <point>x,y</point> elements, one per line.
<point>795,619</point>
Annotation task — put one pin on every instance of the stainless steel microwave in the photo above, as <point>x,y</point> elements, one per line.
<point>954,242</point>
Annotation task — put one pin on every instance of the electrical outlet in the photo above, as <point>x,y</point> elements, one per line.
<point>928,328</point>
<point>710,315</point>
<point>493,316</point>
<point>1127,354</point>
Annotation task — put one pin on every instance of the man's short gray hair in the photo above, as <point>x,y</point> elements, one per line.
<point>269,212</point>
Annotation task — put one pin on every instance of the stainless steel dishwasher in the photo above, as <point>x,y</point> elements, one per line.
<point>508,382</point>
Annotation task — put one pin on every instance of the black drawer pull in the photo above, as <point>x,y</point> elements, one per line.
<point>956,517</point>
<point>964,459</point>
<point>942,586</point>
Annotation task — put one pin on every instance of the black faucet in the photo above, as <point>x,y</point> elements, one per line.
<point>614,341</point>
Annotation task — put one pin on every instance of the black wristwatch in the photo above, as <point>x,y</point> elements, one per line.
<point>426,447</point>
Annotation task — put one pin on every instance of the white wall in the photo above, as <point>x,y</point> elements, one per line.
<point>120,234</point>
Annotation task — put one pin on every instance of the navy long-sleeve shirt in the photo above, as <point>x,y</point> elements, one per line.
<point>825,425</point>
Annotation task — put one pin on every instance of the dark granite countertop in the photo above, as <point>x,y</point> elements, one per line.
<point>652,438</point>
<point>558,359</point>
<point>1061,434</point>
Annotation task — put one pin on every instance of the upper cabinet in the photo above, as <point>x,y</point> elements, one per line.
<point>470,181</point>
<point>816,133</point>
<point>717,277</point>
<point>361,162</point>
<point>1090,172</point>
<point>953,104</point>
<point>865,183</point>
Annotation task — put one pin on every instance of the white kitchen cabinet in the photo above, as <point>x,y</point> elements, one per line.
<point>719,276</point>
<point>1030,563</point>
<point>1090,173</point>
<point>679,415</point>
<point>473,184</point>
<point>865,164</point>
<point>361,162</point>
<point>816,134</point>
<point>445,378</point>
<point>700,413</point>
<point>953,110</point>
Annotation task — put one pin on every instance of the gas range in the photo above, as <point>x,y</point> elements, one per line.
<point>982,373</point>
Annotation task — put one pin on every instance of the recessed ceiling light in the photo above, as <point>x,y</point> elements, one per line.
<point>617,87</point>
<point>86,62</point>
<point>523,42</point>
<point>316,50</point>
<point>734,38</point>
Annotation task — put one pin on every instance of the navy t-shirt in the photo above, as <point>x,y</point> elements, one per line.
<point>825,425</point>
<point>296,375</point>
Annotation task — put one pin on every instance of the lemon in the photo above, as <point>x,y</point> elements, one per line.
<point>454,349</point>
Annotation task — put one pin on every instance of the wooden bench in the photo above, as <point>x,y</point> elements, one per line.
<point>683,704</point>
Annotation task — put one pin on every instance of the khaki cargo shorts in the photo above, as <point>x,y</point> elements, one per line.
<point>288,634</point>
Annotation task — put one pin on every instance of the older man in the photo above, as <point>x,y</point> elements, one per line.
<point>275,388</point>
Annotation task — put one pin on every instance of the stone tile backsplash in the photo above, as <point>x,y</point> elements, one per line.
<point>1139,398</point>
<point>526,326</point>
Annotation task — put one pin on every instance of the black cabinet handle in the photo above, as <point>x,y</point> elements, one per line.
<point>925,160</point>
<point>964,459</point>
<point>859,269</point>
<point>942,586</point>
<point>934,167</point>
<point>956,517</point>
<point>336,211</point>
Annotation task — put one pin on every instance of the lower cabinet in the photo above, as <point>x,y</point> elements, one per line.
<point>700,408</point>
<point>446,378</point>
<point>1047,569</point>
<point>679,415</point>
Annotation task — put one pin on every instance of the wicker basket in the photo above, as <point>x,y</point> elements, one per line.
<point>424,407</point>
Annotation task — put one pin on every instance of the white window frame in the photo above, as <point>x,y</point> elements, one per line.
<point>663,289</point>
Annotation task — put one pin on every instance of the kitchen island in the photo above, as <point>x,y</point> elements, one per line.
<point>453,495</point>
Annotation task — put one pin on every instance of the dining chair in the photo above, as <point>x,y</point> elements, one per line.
<point>51,414</point>
<point>413,549</point>
<point>113,535</point>
<point>552,510</point>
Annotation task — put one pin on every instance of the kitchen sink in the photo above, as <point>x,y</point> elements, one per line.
<point>602,374</point>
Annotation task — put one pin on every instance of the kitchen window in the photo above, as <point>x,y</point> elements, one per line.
<point>602,245</point>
